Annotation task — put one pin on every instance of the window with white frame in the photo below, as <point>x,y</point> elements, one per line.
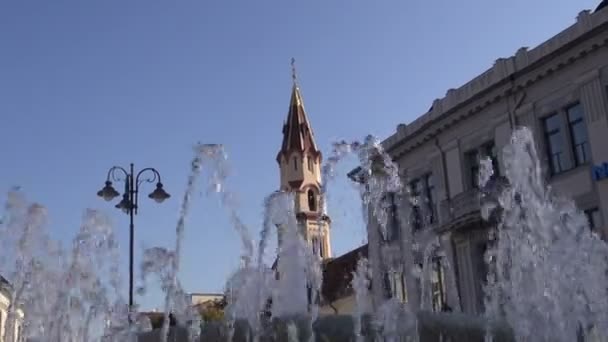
<point>473,160</point>
<point>566,139</point>
<point>423,200</point>
<point>594,218</point>
<point>578,134</point>
<point>395,284</point>
<point>393,230</point>
<point>438,288</point>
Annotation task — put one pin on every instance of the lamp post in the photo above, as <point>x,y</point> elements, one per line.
<point>129,202</point>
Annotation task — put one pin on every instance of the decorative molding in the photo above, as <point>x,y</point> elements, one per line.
<point>593,98</point>
<point>489,87</point>
<point>588,76</point>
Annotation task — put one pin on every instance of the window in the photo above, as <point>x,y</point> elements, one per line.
<point>322,253</point>
<point>438,291</point>
<point>316,246</point>
<point>295,163</point>
<point>430,198</point>
<point>423,197</point>
<point>312,201</point>
<point>473,159</point>
<point>594,217</point>
<point>578,133</point>
<point>569,149</point>
<point>310,166</point>
<point>395,285</point>
<point>392,228</point>
<point>388,292</point>
<point>416,194</point>
<point>398,286</point>
<point>481,271</point>
<point>558,162</point>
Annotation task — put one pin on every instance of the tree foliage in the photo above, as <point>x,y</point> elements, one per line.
<point>212,310</point>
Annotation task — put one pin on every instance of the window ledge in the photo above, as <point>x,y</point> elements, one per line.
<point>565,174</point>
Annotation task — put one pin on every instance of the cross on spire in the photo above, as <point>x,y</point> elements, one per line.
<point>294,76</point>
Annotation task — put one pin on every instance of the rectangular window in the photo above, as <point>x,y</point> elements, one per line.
<point>438,293</point>
<point>398,286</point>
<point>309,163</point>
<point>431,197</point>
<point>388,291</point>
<point>423,200</point>
<point>295,163</point>
<point>481,271</point>
<point>489,150</point>
<point>416,202</point>
<point>392,229</point>
<point>316,247</point>
<point>554,138</point>
<point>473,159</point>
<point>578,133</point>
<point>594,217</point>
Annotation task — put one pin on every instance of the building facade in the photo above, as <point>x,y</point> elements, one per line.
<point>559,90</point>
<point>5,301</point>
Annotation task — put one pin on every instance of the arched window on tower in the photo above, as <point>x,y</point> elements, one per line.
<point>321,248</point>
<point>316,246</point>
<point>312,200</point>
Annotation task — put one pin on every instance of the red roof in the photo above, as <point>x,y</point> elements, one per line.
<point>338,274</point>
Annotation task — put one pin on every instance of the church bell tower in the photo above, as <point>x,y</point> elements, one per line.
<point>300,166</point>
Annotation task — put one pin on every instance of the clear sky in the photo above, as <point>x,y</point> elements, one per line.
<point>85,85</point>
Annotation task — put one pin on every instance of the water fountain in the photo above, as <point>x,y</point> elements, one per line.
<point>548,278</point>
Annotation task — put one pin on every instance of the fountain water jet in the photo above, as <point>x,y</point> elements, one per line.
<point>548,279</point>
<point>549,271</point>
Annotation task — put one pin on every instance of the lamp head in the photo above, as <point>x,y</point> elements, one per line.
<point>159,194</point>
<point>125,204</point>
<point>108,192</point>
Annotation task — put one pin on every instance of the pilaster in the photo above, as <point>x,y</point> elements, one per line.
<point>595,104</point>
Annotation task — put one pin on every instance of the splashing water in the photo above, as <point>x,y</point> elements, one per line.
<point>361,286</point>
<point>66,296</point>
<point>382,181</point>
<point>549,270</point>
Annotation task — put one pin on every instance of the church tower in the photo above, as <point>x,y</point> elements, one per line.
<point>300,165</point>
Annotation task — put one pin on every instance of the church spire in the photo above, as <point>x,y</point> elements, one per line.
<point>300,171</point>
<point>297,131</point>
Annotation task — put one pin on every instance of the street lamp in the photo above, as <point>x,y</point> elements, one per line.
<point>129,201</point>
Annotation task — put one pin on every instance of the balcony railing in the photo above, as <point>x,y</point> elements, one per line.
<point>468,202</point>
<point>464,203</point>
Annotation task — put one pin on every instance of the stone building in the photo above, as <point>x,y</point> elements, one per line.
<point>5,301</point>
<point>559,90</point>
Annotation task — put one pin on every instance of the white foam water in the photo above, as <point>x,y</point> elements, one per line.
<point>549,270</point>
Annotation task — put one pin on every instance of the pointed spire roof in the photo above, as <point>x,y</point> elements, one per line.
<point>297,131</point>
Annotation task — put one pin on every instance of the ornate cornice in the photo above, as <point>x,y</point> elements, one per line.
<point>508,76</point>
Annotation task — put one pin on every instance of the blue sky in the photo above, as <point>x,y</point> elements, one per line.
<point>85,85</point>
